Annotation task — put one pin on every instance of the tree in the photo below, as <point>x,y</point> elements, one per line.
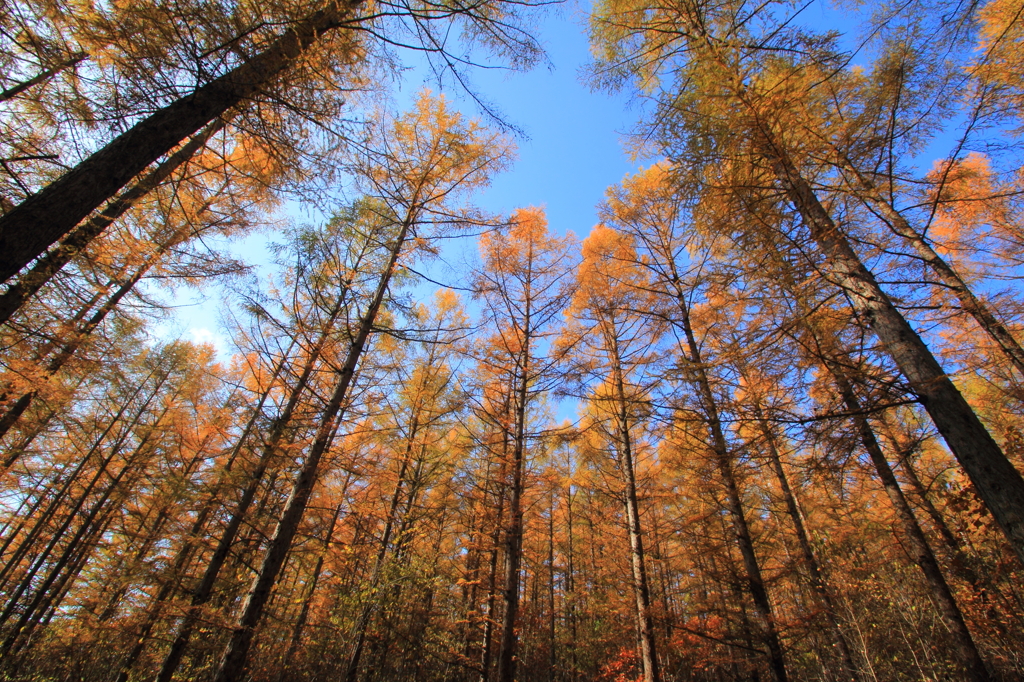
<point>429,158</point>
<point>614,341</point>
<point>524,284</point>
<point>726,92</point>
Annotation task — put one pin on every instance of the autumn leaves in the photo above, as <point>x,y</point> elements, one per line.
<point>759,337</point>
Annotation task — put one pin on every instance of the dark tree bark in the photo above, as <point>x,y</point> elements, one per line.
<point>637,561</point>
<point>51,262</point>
<point>949,277</point>
<point>514,531</point>
<point>920,551</point>
<point>998,482</point>
<point>734,502</point>
<point>202,593</point>
<point>232,662</point>
<point>815,575</point>
<point>42,76</point>
<point>30,228</point>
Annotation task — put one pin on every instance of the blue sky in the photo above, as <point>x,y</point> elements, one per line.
<point>570,154</point>
<point>573,152</point>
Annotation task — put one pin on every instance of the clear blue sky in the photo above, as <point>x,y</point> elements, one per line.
<point>573,151</point>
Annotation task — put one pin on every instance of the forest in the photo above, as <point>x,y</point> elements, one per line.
<point>764,421</point>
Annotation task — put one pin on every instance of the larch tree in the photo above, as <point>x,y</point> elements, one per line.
<point>427,161</point>
<point>525,285</point>
<point>614,342</point>
<point>729,122</point>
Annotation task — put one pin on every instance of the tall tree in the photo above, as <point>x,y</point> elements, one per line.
<point>725,97</point>
<point>525,285</point>
<point>430,158</point>
<point>616,344</point>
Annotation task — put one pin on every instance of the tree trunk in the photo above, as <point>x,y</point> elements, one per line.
<point>201,594</point>
<point>232,662</point>
<point>51,262</point>
<point>949,277</point>
<point>29,229</point>
<point>487,647</point>
<point>734,503</point>
<point>996,479</point>
<point>68,350</point>
<point>641,589</point>
<point>815,574</point>
<point>514,532</point>
<point>920,551</point>
<point>300,623</point>
<point>42,77</point>
<point>366,612</point>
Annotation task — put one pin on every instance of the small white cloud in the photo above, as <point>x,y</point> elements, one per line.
<point>203,335</point>
<point>219,343</point>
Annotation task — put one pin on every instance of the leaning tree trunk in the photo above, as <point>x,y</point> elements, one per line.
<point>232,662</point>
<point>295,640</point>
<point>949,277</point>
<point>51,262</point>
<point>30,228</point>
<point>192,539</point>
<point>42,76</point>
<point>998,482</point>
<point>68,350</point>
<point>202,593</point>
<point>815,575</point>
<point>920,550</point>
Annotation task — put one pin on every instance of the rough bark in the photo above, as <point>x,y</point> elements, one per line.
<point>68,350</point>
<point>43,270</point>
<point>30,228</point>
<point>920,550</point>
<point>949,277</point>
<point>997,481</point>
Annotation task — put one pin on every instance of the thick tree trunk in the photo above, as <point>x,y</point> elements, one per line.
<point>68,350</point>
<point>51,262</point>
<point>998,482</point>
<point>29,229</point>
<point>949,277</point>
